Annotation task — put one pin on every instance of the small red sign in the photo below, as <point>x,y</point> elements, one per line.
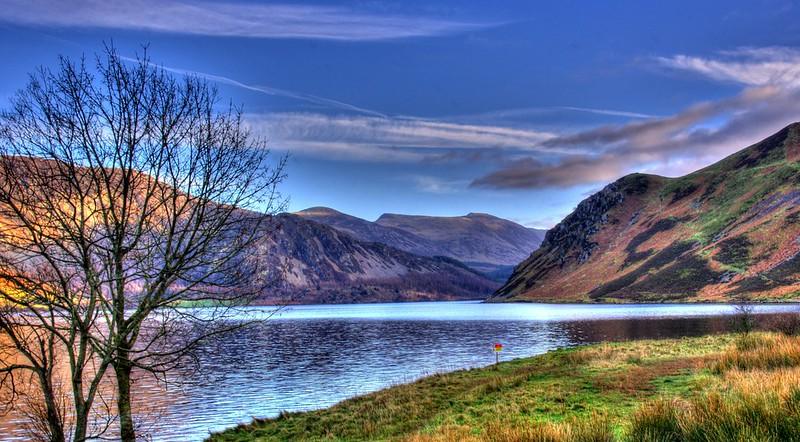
<point>498,347</point>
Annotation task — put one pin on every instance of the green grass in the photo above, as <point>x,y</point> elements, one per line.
<point>730,204</point>
<point>188,303</point>
<point>599,392</point>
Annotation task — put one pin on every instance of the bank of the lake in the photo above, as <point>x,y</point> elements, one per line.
<point>311,357</point>
<point>693,388</point>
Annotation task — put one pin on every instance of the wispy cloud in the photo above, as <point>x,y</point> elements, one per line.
<point>531,173</point>
<point>230,19</point>
<point>528,112</point>
<point>680,143</point>
<point>373,135</point>
<point>308,98</point>
<point>331,103</point>
<point>611,112</point>
<point>773,66</point>
<point>384,138</point>
<point>438,186</point>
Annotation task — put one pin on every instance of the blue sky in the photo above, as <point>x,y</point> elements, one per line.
<point>518,109</point>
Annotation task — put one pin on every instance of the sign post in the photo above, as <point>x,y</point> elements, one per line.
<point>498,347</point>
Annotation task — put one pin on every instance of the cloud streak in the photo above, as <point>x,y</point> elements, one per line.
<point>308,98</point>
<point>373,135</point>
<point>385,138</point>
<point>230,19</point>
<point>677,144</point>
<point>438,186</point>
<point>773,66</point>
<point>611,112</point>
<point>530,173</point>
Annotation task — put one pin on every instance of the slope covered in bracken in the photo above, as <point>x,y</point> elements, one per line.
<point>726,231</point>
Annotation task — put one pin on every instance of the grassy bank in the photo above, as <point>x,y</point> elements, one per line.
<point>709,388</point>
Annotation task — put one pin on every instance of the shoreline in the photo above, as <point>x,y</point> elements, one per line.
<point>613,379</point>
<point>542,302</point>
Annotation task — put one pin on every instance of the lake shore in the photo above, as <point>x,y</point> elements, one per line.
<point>615,391</point>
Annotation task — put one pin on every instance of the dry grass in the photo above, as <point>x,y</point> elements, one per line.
<point>607,355</point>
<point>760,351</point>
<point>595,428</point>
<point>758,398</point>
<point>638,380</point>
<point>736,415</point>
<point>780,381</point>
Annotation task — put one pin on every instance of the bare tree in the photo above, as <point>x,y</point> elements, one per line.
<point>124,194</point>
<point>744,318</point>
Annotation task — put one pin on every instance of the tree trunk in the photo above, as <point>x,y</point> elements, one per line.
<point>81,423</point>
<point>81,412</point>
<point>54,424</point>
<point>127,433</point>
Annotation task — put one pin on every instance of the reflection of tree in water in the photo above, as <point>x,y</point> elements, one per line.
<point>21,418</point>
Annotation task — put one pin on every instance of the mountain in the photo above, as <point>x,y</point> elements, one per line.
<point>485,243</point>
<point>370,231</point>
<point>729,230</point>
<point>301,261</point>
<point>309,262</point>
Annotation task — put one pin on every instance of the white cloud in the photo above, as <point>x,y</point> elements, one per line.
<point>387,138</point>
<point>430,184</point>
<point>770,66</point>
<point>268,90</point>
<point>229,19</point>
<point>680,143</point>
<point>611,112</point>
<point>372,136</point>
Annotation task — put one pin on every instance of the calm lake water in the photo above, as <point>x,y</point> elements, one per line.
<point>308,357</point>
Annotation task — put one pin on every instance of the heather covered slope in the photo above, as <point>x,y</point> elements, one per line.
<point>309,262</point>
<point>731,229</point>
<point>483,242</point>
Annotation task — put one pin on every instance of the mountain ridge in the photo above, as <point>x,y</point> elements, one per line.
<point>293,260</point>
<point>725,231</point>
<point>311,262</point>
<point>484,242</point>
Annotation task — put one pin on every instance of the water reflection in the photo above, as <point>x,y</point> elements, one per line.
<point>314,356</point>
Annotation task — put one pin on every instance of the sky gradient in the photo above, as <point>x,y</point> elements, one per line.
<point>518,109</point>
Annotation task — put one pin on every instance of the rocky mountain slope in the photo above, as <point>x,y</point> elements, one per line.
<point>298,260</point>
<point>485,243</point>
<point>309,262</point>
<point>729,230</point>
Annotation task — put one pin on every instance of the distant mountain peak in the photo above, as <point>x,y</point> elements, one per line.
<point>310,262</point>
<point>480,215</point>
<point>484,242</point>
<point>318,210</point>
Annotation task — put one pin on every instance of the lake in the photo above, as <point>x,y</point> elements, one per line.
<point>307,357</point>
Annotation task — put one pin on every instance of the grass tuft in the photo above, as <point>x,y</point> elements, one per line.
<point>595,428</point>
<point>761,351</point>
<point>737,415</point>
